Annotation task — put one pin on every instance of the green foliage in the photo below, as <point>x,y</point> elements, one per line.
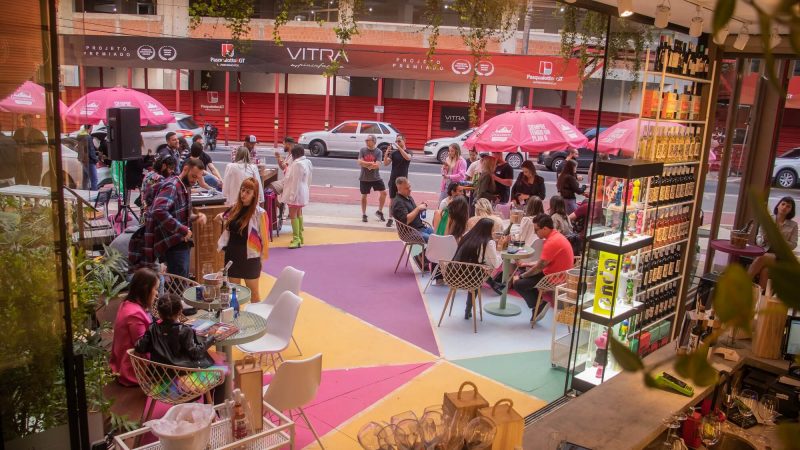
<point>584,37</point>
<point>780,12</point>
<point>733,299</point>
<point>626,358</point>
<point>696,367</point>
<point>235,13</point>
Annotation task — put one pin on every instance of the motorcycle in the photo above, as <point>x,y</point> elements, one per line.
<point>210,136</point>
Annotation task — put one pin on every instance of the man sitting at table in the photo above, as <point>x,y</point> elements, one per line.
<point>406,211</point>
<point>556,257</point>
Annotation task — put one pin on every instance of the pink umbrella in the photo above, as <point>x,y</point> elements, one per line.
<point>624,136</point>
<point>91,108</point>
<point>29,98</point>
<point>530,130</point>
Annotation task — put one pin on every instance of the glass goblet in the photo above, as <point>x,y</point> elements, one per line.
<point>768,409</point>
<point>749,401</point>
<point>710,430</point>
<point>368,436</point>
<point>479,433</point>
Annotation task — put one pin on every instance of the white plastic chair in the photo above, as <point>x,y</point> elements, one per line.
<point>294,385</point>
<point>290,280</point>
<point>280,326</point>
<point>439,248</point>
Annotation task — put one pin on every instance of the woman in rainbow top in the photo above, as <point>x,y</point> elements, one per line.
<point>245,237</point>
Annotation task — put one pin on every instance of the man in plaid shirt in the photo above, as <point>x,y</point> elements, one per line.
<point>168,236</point>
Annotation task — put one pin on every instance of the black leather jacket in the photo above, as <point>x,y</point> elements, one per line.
<point>176,344</point>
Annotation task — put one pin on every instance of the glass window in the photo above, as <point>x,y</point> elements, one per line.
<point>187,123</point>
<point>370,128</point>
<point>145,7</point>
<point>385,130</point>
<point>347,127</point>
<point>793,153</point>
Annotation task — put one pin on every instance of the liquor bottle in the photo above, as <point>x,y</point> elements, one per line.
<point>660,54</point>
<point>239,419</point>
<point>696,334</point>
<point>225,293</point>
<point>235,303</point>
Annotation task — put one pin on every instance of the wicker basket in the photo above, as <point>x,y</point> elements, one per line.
<point>573,278</point>
<point>739,239</point>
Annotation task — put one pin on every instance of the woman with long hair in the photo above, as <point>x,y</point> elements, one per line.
<point>296,192</point>
<point>454,169</point>
<point>486,187</point>
<point>236,172</point>
<point>567,185</point>
<point>784,213</point>
<point>528,184</point>
<point>483,209</point>
<point>533,208</point>
<point>558,211</point>
<point>478,247</point>
<point>245,237</point>
<point>458,214</point>
<point>133,319</point>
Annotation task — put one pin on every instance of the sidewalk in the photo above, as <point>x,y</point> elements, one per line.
<point>341,207</point>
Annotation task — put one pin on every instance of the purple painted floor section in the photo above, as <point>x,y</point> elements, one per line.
<point>360,279</point>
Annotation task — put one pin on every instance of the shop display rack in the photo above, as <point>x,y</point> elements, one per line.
<point>635,259</point>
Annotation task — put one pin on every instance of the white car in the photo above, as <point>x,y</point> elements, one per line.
<point>786,169</point>
<point>438,147</point>
<point>73,169</point>
<point>155,135</point>
<point>348,137</point>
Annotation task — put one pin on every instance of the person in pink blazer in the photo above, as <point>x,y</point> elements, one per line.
<point>454,169</point>
<point>133,319</point>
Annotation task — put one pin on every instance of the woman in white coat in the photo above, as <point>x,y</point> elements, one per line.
<point>296,192</point>
<point>237,172</point>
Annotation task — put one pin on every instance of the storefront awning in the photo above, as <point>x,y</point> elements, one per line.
<point>546,72</point>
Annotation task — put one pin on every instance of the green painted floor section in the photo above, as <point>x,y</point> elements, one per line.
<point>529,372</point>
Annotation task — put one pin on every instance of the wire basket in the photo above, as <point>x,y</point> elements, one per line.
<point>272,436</point>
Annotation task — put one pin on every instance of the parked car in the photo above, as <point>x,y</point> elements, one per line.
<point>590,133</point>
<point>786,169</point>
<point>348,137</point>
<point>554,160</point>
<point>154,135</point>
<point>439,146</point>
<point>73,169</point>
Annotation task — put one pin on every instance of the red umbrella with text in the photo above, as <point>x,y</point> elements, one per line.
<point>28,98</point>
<point>530,130</point>
<point>623,138</point>
<point>91,108</point>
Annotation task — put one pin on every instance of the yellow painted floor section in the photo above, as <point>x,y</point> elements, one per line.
<point>425,390</point>
<point>345,340</point>
<point>330,235</point>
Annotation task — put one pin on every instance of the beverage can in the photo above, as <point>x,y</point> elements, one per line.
<point>200,293</point>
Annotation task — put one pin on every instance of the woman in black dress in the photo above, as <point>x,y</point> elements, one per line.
<point>528,184</point>
<point>245,237</point>
<point>567,185</point>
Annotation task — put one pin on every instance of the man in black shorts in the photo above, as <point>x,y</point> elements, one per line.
<point>369,159</point>
<point>400,158</point>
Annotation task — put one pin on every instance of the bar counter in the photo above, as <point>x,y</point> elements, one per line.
<point>623,413</point>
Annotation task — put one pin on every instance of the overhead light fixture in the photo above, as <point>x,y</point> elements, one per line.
<point>696,27</point>
<point>774,38</point>
<point>569,1</point>
<point>721,35</point>
<point>625,8</point>
<point>663,12</point>
<point>741,39</point>
<point>561,9</point>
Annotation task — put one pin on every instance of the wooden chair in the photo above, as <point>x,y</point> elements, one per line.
<point>547,285</point>
<point>465,277</point>
<point>410,237</point>
<point>173,385</point>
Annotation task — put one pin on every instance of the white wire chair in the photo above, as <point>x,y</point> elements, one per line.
<point>547,284</point>
<point>439,248</point>
<point>173,385</point>
<point>461,276</point>
<point>410,237</point>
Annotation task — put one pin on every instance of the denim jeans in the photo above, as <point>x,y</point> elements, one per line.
<point>89,177</point>
<point>211,181</point>
<point>177,260</point>
<point>426,233</point>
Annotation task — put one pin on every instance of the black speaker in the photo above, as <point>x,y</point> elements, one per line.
<point>124,134</point>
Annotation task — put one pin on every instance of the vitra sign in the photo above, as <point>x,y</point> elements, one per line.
<point>454,118</point>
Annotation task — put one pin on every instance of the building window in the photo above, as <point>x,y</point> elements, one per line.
<point>144,7</point>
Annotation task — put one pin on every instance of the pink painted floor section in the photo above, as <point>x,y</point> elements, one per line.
<point>345,393</point>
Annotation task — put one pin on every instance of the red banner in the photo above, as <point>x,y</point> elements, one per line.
<point>547,72</point>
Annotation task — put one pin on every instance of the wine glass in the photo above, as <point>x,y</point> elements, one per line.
<point>432,427</point>
<point>479,433</point>
<point>710,430</point>
<point>368,436</point>
<point>748,399</point>
<point>672,423</point>
<point>408,434</point>
<point>406,415</point>
<point>387,437</point>
<point>768,409</point>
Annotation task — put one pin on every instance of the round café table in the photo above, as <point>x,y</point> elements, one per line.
<point>251,327</point>
<point>503,308</point>
<point>734,253</point>
<point>190,297</point>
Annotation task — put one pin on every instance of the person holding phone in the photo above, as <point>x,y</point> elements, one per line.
<point>399,156</point>
<point>405,210</point>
